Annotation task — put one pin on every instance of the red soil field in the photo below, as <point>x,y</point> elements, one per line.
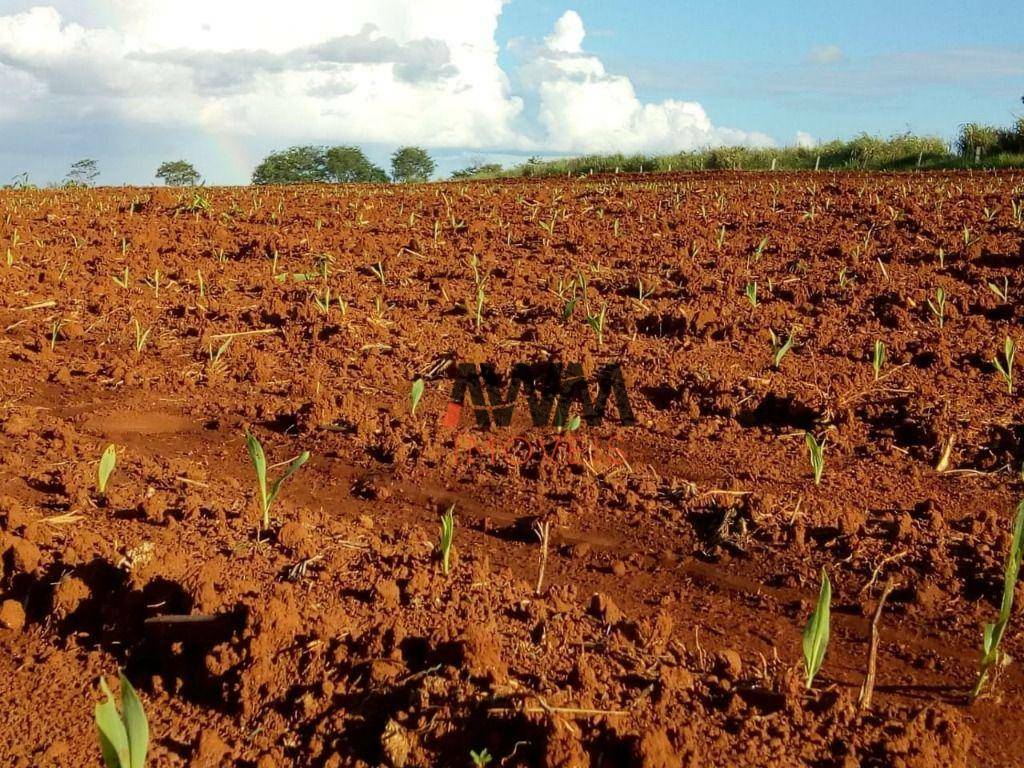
<point>685,549</point>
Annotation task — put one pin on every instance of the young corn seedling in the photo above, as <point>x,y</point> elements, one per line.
<point>107,463</point>
<point>1005,366</point>
<point>447,537</point>
<point>1001,292</point>
<point>55,332</point>
<point>124,735</point>
<point>815,639</point>
<point>596,323</point>
<point>751,293</point>
<point>779,348</point>
<point>141,335</point>
<point>845,279</point>
<point>259,463</point>
<point>938,307</point>
<point>416,394</point>
<point>993,633</point>
<point>123,281</point>
<point>378,271</point>
<point>816,452</point>
<point>323,304</point>
<point>642,294</point>
<point>480,759</point>
<point>214,358</point>
<point>759,251</point>
<point>480,298</point>
<point>878,358</point>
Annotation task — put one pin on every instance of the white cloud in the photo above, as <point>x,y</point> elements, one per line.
<point>568,34</point>
<point>826,54</point>
<point>805,140</point>
<point>363,71</point>
<point>583,108</point>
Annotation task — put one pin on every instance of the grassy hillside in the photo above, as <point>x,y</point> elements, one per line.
<point>902,152</point>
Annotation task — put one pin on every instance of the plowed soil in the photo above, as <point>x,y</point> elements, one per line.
<point>685,549</point>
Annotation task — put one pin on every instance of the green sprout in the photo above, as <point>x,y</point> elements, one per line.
<point>596,323</point>
<point>641,294</point>
<point>779,348</point>
<point>938,307</point>
<point>447,537</point>
<point>480,298</point>
<point>259,462</point>
<point>571,425</point>
<point>124,280</point>
<point>993,633</point>
<point>844,279</point>
<point>124,736</point>
<point>878,358</point>
<point>751,293</point>
<point>107,463</point>
<point>569,308</point>
<point>480,759</point>
<point>323,304</point>
<point>378,271</point>
<point>815,638</point>
<point>760,249</point>
<point>416,394</point>
<point>816,451</point>
<point>141,335</point>
<point>1001,292</point>
<point>1005,366</point>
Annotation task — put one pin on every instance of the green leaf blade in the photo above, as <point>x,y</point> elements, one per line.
<point>113,737</point>
<point>107,463</point>
<point>816,633</point>
<point>136,724</point>
<point>292,468</point>
<point>417,393</point>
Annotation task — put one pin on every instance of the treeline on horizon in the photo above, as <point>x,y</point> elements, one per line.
<point>977,146</point>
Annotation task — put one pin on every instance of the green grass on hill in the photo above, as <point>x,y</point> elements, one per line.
<point>902,152</point>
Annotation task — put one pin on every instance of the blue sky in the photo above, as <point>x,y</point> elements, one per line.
<point>135,82</point>
<point>726,54</point>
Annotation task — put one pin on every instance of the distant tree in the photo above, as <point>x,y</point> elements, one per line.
<point>410,164</point>
<point>82,173</point>
<point>348,165</point>
<point>178,173</point>
<point>478,169</point>
<point>297,165</point>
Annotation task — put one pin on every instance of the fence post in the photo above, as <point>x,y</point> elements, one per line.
<point>817,162</point>
<point>773,163</point>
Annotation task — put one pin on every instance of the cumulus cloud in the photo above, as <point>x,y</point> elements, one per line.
<point>826,54</point>
<point>361,71</point>
<point>584,108</point>
<point>805,140</point>
<point>365,71</point>
<point>413,62</point>
<point>568,34</point>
